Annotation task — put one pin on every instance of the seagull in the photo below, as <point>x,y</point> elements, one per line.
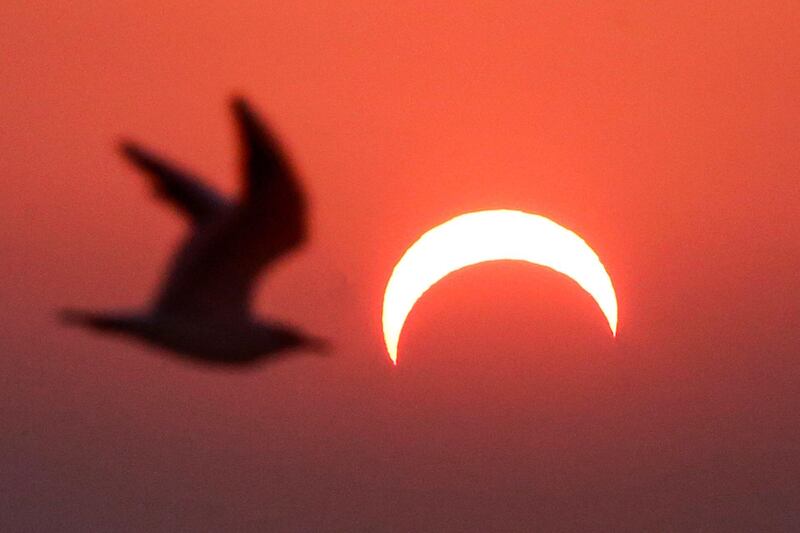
<point>202,311</point>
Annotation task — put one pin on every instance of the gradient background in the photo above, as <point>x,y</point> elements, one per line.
<point>667,135</point>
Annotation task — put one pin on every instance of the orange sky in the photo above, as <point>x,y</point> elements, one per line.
<point>665,135</point>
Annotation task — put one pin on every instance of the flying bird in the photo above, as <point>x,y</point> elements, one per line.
<point>202,311</point>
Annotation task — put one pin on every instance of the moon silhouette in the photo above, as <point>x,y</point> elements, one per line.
<point>481,236</point>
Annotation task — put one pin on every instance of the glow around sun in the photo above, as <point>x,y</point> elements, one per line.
<point>489,236</point>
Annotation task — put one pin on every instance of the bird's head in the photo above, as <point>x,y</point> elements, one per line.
<point>279,337</point>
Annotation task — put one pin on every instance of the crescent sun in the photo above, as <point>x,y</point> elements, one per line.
<point>481,236</point>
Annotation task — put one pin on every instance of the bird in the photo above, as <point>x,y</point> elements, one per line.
<point>202,312</point>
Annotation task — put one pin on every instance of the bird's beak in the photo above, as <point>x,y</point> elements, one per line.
<point>318,345</point>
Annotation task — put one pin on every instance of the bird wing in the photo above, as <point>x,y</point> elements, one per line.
<point>177,186</point>
<point>215,271</point>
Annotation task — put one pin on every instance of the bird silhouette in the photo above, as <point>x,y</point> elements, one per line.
<point>202,311</point>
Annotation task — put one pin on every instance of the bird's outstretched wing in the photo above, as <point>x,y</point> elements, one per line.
<point>271,195</point>
<point>184,191</point>
<point>215,272</point>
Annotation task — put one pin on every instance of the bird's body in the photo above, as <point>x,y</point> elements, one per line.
<point>202,311</point>
<point>201,340</point>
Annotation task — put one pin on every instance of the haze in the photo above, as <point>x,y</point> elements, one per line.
<point>665,135</point>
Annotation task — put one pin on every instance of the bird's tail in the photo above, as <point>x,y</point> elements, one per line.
<point>97,320</point>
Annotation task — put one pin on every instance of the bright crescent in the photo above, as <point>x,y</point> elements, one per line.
<point>481,236</point>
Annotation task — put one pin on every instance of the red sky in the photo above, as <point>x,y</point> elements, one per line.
<point>666,135</point>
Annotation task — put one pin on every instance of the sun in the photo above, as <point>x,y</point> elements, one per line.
<point>481,236</point>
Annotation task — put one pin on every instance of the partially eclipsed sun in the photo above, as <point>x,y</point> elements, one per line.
<point>488,236</point>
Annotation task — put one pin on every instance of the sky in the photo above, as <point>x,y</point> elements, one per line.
<point>666,134</point>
